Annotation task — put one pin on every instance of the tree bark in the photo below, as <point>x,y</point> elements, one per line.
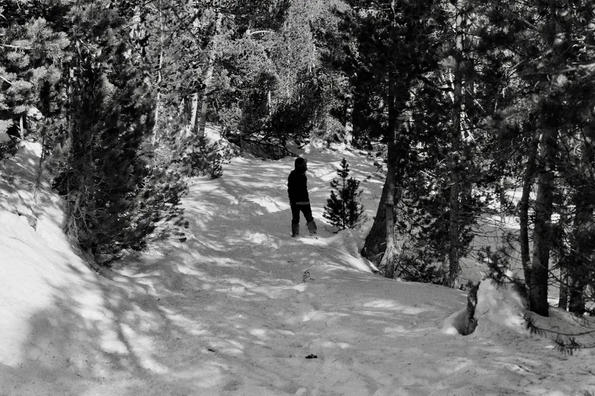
<point>22,126</point>
<point>388,263</point>
<point>576,295</point>
<point>584,202</point>
<point>538,292</point>
<point>564,289</point>
<point>455,160</point>
<point>159,77</point>
<point>524,204</point>
<point>194,112</point>
<point>208,79</point>
<point>375,243</point>
<point>382,236</point>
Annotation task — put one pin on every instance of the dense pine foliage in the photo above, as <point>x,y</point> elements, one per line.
<point>471,100</point>
<point>344,209</point>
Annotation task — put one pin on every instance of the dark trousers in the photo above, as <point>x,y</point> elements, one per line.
<point>295,213</point>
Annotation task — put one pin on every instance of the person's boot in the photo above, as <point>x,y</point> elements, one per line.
<point>295,230</point>
<point>312,228</point>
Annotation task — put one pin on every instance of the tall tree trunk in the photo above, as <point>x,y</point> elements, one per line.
<point>564,289</point>
<point>576,292</point>
<point>375,243</point>
<point>388,262</point>
<point>357,132</point>
<point>455,160</point>
<point>208,79</point>
<point>542,239</point>
<point>22,126</point>
<point>382,236</point>
<point>194,112</point>
<point>584,202</point>
<point>391,253</point>
<point>159,77</point>
<point>524,204</point>
<point>453,230</point>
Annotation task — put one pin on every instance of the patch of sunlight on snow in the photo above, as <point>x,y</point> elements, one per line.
<point>331,344</point>
<point>268,203</point>
<point>207,376</point>
<point>258,238</point>
<point>103,320</point>
<point>110,343</point>
<point>239,286</point>
<point>400,330</point>
<point>354,262</point>
<point>376,313</point>
<point>229,347</point>
<point>393,306</point>
<point>192,327</point>
<point>449,329</point>
<point>301,287</point>
<point>261,333</point>
<point>323,316</point>
<point>275,292</point>
<point>189,270</point>
<point>143,347</point>
<point>455,365</point>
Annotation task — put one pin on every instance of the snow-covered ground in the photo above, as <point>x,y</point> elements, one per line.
<point>243,309</point>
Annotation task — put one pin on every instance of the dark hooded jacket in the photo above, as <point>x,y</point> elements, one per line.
<point>297,187</point>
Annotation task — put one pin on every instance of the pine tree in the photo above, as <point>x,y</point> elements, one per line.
<point>105,175</point>
<point>392,44</point>
<point>343,208</point>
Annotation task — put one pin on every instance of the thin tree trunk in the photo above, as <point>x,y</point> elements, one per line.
<point>584,202</point>
<point>356,129</point>
<point>22,127</point>
<point>576,295</point>
<point>208,79</point>
<point>375,243</point>
<point>564,289</point>
<point>455,188</point>
<point>524,204</point>
<point>388,262</point>
<point>194,112</point>
<point>159,76</point>
<point>538,293</point>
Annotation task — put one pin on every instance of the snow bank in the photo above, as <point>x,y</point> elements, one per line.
<point>499,309</point>
<point>39,270</point>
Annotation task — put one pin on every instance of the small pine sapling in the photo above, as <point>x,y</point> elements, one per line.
<point>343,208</point>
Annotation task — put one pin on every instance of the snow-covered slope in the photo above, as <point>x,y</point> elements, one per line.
<point>241,308</point>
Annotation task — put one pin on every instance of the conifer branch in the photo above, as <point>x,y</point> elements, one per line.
<point>5,80</point>
<point>16,47</point>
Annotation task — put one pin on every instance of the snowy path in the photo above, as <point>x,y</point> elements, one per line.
<point>239,307</point>
<point>259,303</point>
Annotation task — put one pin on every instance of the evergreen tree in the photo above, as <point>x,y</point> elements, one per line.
<point>343,208</point>
<point>105,173</point>
<point>393,45</point>
<point>32,52</point>
<point>550,133</point>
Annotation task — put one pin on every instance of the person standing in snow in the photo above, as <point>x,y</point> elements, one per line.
<point>297,188</point>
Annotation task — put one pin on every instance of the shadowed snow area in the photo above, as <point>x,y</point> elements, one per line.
<point>241,308</point>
